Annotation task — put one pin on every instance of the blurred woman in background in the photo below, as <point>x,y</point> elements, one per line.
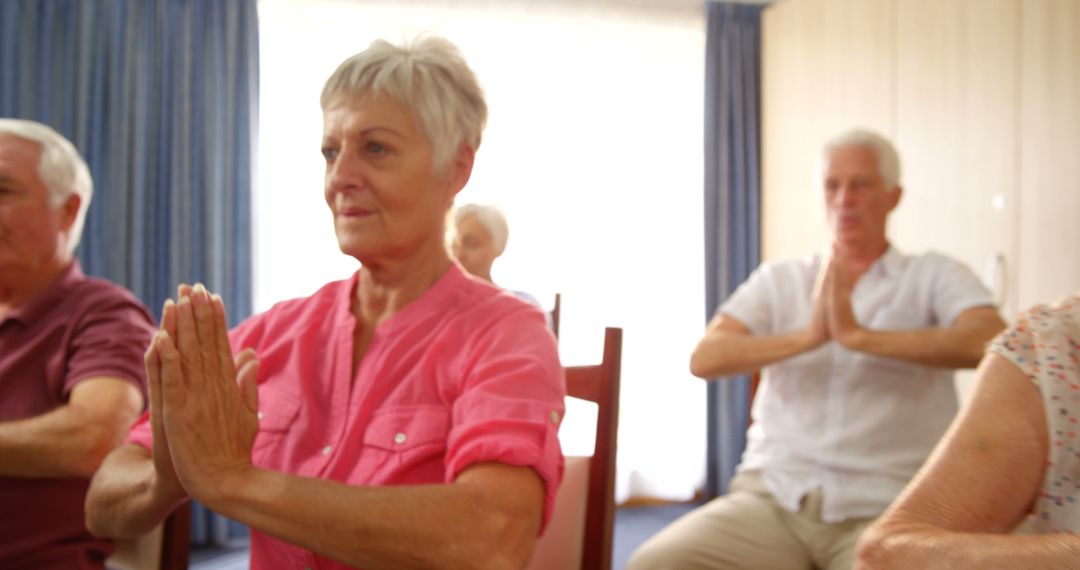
<point>479,238</point>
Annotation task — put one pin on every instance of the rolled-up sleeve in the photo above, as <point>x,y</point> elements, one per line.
<point>511,403</point>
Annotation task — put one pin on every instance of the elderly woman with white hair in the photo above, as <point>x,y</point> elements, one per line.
<point>480,236</point>
<point>405,417</point>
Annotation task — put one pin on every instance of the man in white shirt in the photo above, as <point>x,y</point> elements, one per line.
<point>857,348</point>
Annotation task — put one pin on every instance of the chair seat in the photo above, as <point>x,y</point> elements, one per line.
<point>579,534</point>
<point>561,545</point>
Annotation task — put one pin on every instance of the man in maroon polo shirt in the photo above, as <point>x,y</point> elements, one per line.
<point>71,370</point>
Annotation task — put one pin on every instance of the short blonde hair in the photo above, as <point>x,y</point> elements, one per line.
<point>61,169</point>
<point>429,77</point>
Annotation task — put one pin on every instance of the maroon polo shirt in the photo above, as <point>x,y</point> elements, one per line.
<point>76,329</point>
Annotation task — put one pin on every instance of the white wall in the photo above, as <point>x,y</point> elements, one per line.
<point>593,150</point>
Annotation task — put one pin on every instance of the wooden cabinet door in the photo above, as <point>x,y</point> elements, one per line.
<point>1049,243</point>
<point>957,132</point>
<point>827,65</point>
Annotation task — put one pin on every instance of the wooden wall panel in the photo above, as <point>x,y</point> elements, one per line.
<point>957,131</point>
<point>1049,243</point>
<point>827,66</point>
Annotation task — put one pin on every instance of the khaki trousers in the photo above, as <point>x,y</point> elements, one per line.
<point>747,529</point>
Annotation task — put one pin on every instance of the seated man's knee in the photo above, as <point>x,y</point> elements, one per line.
<point>644,558</point>
<point>656,554</point>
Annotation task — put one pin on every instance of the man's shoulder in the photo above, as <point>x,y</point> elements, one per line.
<point>775,281</point>
<point>107,329</point>
<point>98,286</point>
<point>932,262</point>
<point>91,294</point>
<point>953,285</point>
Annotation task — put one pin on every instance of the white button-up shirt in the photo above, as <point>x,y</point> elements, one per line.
<point>856,425</point>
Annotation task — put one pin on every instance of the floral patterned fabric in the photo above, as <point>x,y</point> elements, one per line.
<point>1045,344</point>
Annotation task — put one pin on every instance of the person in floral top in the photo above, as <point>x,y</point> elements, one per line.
<point>1011,457</point>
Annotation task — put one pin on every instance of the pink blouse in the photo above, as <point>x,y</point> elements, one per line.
<point>465,374</point>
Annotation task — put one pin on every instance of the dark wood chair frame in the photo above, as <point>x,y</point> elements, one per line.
<point>600,384</point>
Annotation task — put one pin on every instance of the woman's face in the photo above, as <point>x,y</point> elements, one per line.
<point>474,247</point>
<point>388,202</point>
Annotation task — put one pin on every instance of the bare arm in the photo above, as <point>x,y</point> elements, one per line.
<point>960,344</point>
<point>128,497</point>
<point>728,348</point>
<point>978,485</point>
<point>72,440</point>
<point>487,518</point>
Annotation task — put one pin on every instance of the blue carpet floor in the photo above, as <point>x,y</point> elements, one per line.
<point>634,525</point>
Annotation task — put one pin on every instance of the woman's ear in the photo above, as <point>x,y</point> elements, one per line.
<point>460,168</point>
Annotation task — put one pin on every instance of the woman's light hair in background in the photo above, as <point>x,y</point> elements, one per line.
<point>491,218</point>
<point>429,76</point>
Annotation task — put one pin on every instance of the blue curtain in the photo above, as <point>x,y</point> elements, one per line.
<point>160,96</point>
<point>732,206</point>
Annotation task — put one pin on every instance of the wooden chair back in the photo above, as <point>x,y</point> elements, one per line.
<point>584,513</point>
<point>554,314</point>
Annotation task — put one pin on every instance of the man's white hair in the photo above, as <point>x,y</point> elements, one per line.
<point>61,169</point>
<point>888,161</point>
<point>429,77</point>
<point>491,218</point>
